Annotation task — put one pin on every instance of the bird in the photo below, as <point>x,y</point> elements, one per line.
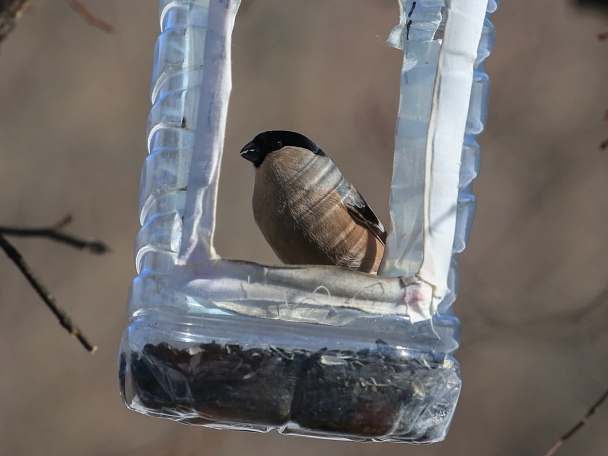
<point>306,209</point>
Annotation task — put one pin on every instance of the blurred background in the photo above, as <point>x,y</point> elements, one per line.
<point>534,279</point>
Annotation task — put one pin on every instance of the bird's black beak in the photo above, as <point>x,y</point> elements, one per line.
<point>252,153</point>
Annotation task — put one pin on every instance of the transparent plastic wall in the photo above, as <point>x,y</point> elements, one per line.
<point>421,40</point>
<point>315,351</point>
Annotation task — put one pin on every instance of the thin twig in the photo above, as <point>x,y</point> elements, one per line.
<point>604,143</point>
<point>55,233</point>
<point>594,408</point>
<point>48,299</point>
<point>86,14</point>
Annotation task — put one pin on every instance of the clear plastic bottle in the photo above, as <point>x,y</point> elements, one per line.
<point>316,351</point>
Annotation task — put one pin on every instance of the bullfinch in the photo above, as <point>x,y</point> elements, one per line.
<point>307,211</point>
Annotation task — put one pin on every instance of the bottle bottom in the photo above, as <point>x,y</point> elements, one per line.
<point>349,390</point>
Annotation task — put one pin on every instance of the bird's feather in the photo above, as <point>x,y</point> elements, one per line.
<point>360,210</point>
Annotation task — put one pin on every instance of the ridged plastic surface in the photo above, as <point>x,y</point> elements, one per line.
<point>323,366</point>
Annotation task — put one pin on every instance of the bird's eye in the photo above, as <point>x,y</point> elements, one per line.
<point>276,144</point>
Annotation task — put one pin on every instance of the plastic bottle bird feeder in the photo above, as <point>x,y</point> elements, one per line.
<point>317,351</point>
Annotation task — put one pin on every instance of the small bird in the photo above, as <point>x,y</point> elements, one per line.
<point>307,211</point>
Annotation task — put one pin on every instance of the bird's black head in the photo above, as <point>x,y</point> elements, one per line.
<point>271,141</point>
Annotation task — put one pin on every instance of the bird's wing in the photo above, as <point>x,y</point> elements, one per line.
<point>359,209</point>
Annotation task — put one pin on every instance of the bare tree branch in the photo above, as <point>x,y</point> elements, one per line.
<point>48,299</point>
<point>55,233</point>
<point>10,10</point>
<point>9,13</point>
<point>86,14</point>
<point>594,408</point>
